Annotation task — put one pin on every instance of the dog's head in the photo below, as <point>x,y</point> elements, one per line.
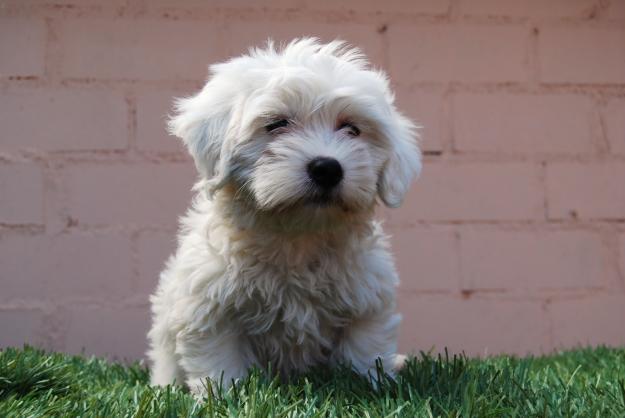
<point>308,126</point>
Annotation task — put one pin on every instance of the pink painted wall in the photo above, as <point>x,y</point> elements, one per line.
<point>512,241</point>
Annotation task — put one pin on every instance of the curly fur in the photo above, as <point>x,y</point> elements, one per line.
<point>269,268</point>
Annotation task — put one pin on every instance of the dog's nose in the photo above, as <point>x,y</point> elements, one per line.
<point>325,172</point>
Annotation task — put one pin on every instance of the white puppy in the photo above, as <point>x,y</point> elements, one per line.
<point>279,259</point>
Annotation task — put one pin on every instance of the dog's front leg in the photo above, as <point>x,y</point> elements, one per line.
<point>223,357</point>
<point>371,338</point>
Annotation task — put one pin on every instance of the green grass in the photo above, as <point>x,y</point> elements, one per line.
<point>581,383</point>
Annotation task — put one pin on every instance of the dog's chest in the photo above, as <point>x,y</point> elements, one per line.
<point>302,312</point>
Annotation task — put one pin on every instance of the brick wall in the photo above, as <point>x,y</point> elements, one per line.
<point>512,241</point>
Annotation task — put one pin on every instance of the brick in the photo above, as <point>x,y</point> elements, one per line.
<point>226,4</point>
<point>113,333</point>
<point>532,260</point>
<point>426,258</point>
<point>615,10</point>
<point>19,327</point>
<point>427,109</point>
<point>451,191</point>
<point>365,6</point>
<point>475,326</point>
<point>65,267</point>
<point>142,49</point>
<point>587,191</point>
<point>614,118</point>
<point>21,191</point>
<point>436,7</point>
<point>458,52</point>
<point>572,54</point>
<point>152,110</point>
<point>27,6</point>
<point>523,123</point>
<point>154,250</point>
<point>22,46</point>
<point>140,194</point>
<point>63,119</point>
<point>527,8</point>
<point>242,35</point>
<point>621,256</point>
<point>593,320</point>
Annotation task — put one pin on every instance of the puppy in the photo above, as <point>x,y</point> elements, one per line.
<point>279,258</point>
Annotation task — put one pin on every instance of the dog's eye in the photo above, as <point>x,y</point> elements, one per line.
<point>282,123</point>
<point>352,130</point>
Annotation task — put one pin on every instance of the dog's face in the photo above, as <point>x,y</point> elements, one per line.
<point>309,130</point>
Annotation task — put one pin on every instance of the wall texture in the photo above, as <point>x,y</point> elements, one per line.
<point>512,241</point>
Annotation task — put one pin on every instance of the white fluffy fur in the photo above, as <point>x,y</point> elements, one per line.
<point>265,271</point>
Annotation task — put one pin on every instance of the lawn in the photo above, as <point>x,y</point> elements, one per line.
<point>581,383</point>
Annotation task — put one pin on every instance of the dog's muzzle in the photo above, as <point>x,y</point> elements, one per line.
<point>325,172</point>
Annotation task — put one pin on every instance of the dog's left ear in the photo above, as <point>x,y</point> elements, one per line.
<point>404,163</point>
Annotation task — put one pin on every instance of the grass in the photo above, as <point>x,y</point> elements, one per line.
<point>580,383</point>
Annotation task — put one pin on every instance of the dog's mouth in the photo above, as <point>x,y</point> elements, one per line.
<point>329,201</point>
<point>323,200</point>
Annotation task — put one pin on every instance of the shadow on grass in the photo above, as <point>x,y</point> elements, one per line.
<point>438,384</point>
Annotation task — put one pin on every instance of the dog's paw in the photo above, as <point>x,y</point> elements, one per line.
<point>398,363</point>
<point>198,388</point>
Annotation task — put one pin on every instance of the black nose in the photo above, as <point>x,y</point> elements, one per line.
<point>325,172</point>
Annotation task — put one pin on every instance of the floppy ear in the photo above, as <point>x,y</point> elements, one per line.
<point>202,121</point>
<point>404,163</point>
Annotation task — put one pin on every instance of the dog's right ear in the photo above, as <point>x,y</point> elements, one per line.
<point>202,121</point>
